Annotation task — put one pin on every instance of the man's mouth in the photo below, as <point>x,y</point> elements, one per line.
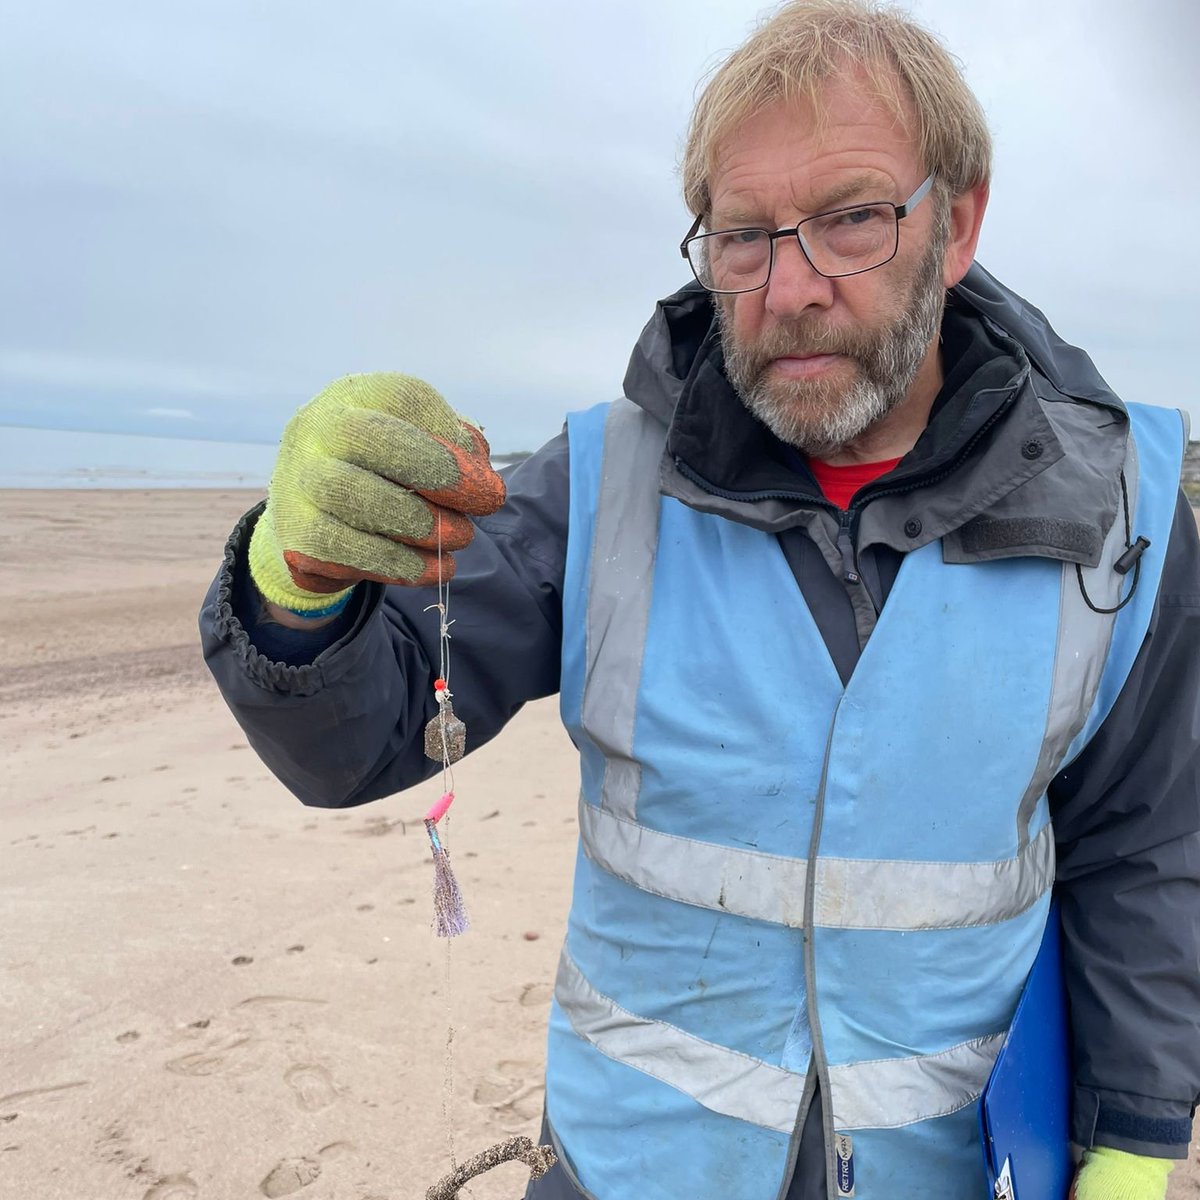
<point>805,366</point>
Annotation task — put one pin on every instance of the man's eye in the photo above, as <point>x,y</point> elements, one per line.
<point>857,216</point>
<point>747,237</point>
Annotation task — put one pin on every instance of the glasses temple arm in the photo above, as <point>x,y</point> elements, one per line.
<point>687,237</point>
<point>902,210</point>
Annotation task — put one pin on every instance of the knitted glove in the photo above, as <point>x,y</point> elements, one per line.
<point>1108,1174</point>
<point>372,477</point>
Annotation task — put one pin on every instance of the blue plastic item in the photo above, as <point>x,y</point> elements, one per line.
<point>1025,1109</point>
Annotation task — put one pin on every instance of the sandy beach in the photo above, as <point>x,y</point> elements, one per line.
<point>209,990</point>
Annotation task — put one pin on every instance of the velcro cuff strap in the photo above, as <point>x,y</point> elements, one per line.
<point>1166,1131</point>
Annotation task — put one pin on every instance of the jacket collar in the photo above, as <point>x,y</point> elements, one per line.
<point>1018,405</point>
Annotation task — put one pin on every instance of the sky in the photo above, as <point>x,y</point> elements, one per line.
<point>210,208</point>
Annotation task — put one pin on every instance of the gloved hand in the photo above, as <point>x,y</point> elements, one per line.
<point>1107,1174</point>
<point>372,476</point>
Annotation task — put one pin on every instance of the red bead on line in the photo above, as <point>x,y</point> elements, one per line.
<point>439,685</point>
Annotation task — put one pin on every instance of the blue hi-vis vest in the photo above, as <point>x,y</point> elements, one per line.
<point>783,880</point>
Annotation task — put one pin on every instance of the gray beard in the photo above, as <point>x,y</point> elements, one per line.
<point>822,417</point>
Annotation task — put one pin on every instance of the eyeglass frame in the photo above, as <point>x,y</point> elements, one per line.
<point>901,210</point>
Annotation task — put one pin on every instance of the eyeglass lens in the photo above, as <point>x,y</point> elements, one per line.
<point>838,243</point>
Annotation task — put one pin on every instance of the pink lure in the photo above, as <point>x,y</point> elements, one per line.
<point>438,810</point>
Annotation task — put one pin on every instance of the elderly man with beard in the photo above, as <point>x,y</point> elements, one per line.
<point>874,616</point>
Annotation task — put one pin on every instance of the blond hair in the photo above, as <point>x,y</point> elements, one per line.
<point>792,55</point>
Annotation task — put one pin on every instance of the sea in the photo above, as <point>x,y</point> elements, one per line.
<point>57,458</point>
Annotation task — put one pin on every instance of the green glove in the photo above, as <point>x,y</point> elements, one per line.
<point>1108,1174</point>
<point>373,476</point>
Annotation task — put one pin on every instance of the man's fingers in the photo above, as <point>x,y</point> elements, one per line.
<point>328,548</point>
<point>313,575</point>
<point>449,530</point>
<point>375,476</point>
<point>455,475</point>
<point>403,396</point>
<point>367,502</point>
<point>480,490</point>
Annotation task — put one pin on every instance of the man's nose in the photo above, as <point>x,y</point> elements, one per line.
<point>794,285</point>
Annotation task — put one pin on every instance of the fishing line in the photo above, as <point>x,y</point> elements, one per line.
<point>446,741</point>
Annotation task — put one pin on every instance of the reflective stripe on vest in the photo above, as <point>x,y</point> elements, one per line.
<point>619,605</point>
<point>885,1093</point>
<point>1083,640</point>
<point>851,893</point>
<point>721,1080</point>
<point>701,699</point>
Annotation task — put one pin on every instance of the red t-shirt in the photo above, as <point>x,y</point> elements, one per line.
<point>839,484</point>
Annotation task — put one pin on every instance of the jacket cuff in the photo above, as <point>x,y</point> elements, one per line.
<point>1135,1124</point>
<point>300,665</point>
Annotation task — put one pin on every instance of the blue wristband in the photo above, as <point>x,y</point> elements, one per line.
<point>330,610</point>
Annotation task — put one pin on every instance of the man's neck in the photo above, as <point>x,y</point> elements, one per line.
<point>894,435</point>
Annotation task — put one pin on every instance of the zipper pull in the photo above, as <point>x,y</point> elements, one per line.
<point>846,549</point>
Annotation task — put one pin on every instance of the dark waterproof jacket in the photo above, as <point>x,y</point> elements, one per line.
<point>339,715</point>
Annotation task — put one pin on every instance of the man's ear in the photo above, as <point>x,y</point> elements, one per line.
<point>966,219</point>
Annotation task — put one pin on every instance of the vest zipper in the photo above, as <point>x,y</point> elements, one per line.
<point>819,1061</point>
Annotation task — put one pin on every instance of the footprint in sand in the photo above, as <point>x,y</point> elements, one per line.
<point>513,1092</point>
<point>528,995</point>
<point>536,995</point>
<point>235,1057</point>
<point>312,1086</point>
<point>290,1176</point>
<point>173,1187</point>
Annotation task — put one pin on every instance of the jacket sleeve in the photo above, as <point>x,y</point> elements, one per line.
<point>1127,823</point>
<point>344,723</point>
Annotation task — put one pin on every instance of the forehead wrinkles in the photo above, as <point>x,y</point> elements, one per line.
<point>793,194</point>
<point>755,188</point>
<point>853,130</point>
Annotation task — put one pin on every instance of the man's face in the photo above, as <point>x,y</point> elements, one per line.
<point>818,360</point>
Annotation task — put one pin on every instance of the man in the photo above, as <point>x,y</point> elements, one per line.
<point>853,631</point>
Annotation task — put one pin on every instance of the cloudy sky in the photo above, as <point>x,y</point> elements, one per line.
<point>211,207</point>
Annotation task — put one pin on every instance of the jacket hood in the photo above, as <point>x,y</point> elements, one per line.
<point>1065,367</point>
<point>667,350</point>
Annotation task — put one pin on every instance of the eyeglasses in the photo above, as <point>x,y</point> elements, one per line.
<point>843,241</point>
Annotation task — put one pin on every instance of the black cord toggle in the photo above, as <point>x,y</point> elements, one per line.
<point>1131,560</point>
<point>1126,562</point>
